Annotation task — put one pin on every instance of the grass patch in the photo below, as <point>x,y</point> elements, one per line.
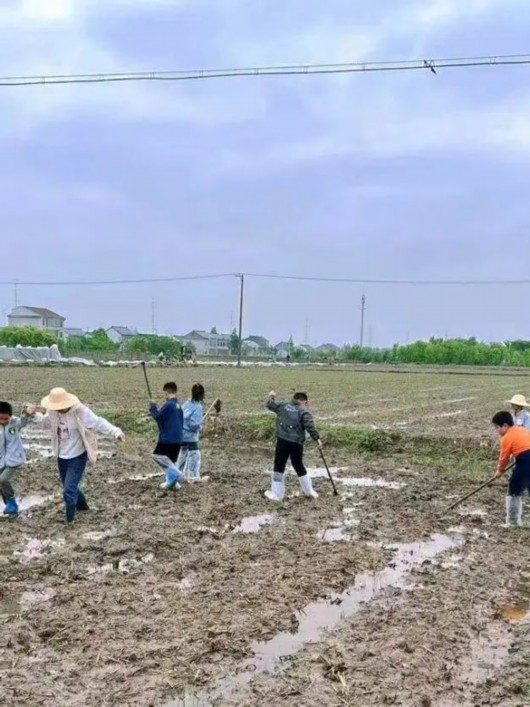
<point>352,439</point>
<point>131,422</point>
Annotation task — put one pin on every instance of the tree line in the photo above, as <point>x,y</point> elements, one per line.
<point>441,352</point>
<point>95,342</point>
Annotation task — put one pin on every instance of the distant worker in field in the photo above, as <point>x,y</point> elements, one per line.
<point>189,460</point>
<point>169,419</point>
<point>72,428</point>
<point>515,442</point>
<point>293,422</point>
<point>521,415</point>
<point>12,455</point>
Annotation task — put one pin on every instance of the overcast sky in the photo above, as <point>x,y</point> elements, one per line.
<point>398,175</point>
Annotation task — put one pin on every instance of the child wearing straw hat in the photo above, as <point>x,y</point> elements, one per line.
<point>521,416</point>
<point>73,427</point>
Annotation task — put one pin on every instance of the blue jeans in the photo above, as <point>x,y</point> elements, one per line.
<point>520,478</point>
<point>71,472</point>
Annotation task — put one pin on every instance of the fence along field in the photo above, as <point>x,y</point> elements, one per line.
<point>212,595</point>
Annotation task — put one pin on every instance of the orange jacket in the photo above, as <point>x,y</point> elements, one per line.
<point>513,443</point>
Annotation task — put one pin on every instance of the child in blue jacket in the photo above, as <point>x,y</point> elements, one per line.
<point>170,421</point>
<point>12,455</point>
<point>189,461</point>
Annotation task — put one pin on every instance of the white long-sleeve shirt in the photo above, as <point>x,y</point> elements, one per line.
<point>522,419</point>
<point>70,441</point>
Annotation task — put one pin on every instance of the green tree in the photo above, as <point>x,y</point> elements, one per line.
<point>155,345</point>
<point>234,343</point>
<point>94,342</point>
<point>26,336</point>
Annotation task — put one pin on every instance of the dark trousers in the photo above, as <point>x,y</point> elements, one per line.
<point>171,451</point>
<point>71,472</point>
<point>520,478</point>
<point>289,450</point>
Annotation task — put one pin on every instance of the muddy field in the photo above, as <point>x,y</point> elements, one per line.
<point>210,596</point>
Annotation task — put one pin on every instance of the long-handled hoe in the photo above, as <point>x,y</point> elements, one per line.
<point>472,493</point>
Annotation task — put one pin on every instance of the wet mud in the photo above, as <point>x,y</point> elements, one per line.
<point>213,596</point>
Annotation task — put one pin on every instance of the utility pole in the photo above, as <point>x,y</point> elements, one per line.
<point>363,308</point>
<point>153,316</point>
<point>16,292</point>
<point>241,310</point>
<point>306,332</point>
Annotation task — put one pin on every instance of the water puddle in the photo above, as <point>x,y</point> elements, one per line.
<point>26,503</point>
<point>317,472</point>
<point>35,548</point>
<point>519,608</point>
<point>324,615</point>
<point>340,530</point>
<point>123,565</point>
<point>473,512</point>
<point>44,451</point>
<point>96,536</point>
<point>369,482</point>
<point>138,477</point>
<point>252,524</point>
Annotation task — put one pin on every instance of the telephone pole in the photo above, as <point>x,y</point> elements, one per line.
<point>306,332</point>
<point>153,316</point>
<point>241,310</point>
<point>363,308</point>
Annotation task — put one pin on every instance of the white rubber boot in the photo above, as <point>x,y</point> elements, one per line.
<point>307,486</point>
<point>512,511</point>
<point>519,509</point>
<point>277,491</point>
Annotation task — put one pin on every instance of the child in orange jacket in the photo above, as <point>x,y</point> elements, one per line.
<point>515,442</point>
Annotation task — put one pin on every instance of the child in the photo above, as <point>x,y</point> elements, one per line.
<point>521,417</point>
<point>170,424</point>
<point>189,460</point>
<point>73,428</point>
<point>515,442</point>
<point>12,455</point>
<point>293,421</point>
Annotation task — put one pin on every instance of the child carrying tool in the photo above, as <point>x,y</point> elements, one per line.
<point>189,459</point>
<point>293,422</point>
<point>521,416</point>
<point>12,455</point>
<point>170,424</point>
<point>515,442</point>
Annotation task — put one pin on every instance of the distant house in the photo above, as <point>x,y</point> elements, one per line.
<point>68,332</point>
<point>257,346</point>
<point>120,334</point>
<point>38,317</point>
<point>283,349</point>
<point>328,347</point>
<point>207,343</point>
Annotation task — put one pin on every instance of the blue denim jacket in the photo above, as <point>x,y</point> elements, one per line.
<point>193,419</point>
<point>12,452</point>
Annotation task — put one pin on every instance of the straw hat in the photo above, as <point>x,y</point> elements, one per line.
<point>59,399</point>
<point>520,401</point>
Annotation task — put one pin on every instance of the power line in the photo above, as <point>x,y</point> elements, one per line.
<point>269,276</point>
<point>82,283</point>
<point>431,65</point>
<point>365,281</point>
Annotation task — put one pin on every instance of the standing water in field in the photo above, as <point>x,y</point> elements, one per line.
<point>323,615</point>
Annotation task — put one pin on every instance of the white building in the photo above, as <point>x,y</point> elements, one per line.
<point>120,334</point>
<point>38,317</point>
<point>208,343</point>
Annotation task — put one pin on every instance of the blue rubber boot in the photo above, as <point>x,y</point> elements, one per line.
<point>11,508</point>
